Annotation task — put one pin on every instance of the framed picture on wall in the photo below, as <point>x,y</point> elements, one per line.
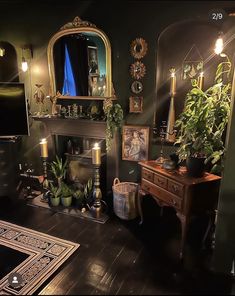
<point>93,60</point>
<point>136,104</point>
<point>135,143</point>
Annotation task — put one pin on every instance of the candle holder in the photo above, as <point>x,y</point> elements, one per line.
<point>163,134</point>
<point>96,207</point>
<point>45,183</point>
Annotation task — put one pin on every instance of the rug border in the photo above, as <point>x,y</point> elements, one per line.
<point>72,247</point>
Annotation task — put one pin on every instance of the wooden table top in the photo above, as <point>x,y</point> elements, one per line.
<point>179,175</point>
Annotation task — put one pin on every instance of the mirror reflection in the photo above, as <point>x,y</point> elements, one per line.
<point>80,65</point>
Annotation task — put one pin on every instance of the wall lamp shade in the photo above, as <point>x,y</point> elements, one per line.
<point>2,51</point>
<point>24,65</point>
<point>219,45</point>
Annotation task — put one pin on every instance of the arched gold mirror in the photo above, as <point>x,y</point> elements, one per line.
<point>79,60</point>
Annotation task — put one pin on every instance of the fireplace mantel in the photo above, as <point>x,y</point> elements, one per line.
<point>74,127</point>
<point>56,126</point>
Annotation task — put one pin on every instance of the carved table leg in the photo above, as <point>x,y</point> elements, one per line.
<point>140,196</point>
<point>184,226</point>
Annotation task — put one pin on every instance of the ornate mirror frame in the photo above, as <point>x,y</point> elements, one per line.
<point>80,26</point>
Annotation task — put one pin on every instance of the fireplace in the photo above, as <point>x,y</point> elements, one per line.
<point>83,134</point>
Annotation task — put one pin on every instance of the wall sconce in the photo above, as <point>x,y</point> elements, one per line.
<point>219,44</point>
<point>2,51</point>
<point>27,55</point>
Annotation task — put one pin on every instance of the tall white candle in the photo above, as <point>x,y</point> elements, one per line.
<point>201,80</point>
<point>44,149</point>
<point>173,82</point>
<point>96,154</point>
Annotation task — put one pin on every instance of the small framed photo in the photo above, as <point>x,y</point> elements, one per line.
<point>136,104</point>
<point>135,143</point>
<point>93,60</point>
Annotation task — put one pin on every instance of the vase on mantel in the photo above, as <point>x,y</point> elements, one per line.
<point>39,97</point>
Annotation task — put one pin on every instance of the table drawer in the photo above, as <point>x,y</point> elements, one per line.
<point>176,188</point>
<point>162,195</point>
<point>148,175</point>
<point>160,181</point>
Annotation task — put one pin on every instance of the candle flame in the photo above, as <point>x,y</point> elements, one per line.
<point>96,145</point>
<point>44,140</point>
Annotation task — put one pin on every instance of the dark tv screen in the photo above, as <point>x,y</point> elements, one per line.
<point>13,110</point>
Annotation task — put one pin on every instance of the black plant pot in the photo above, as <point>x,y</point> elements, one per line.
<point>195,166</point>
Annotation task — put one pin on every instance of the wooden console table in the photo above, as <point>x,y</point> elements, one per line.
<point>188,196</point>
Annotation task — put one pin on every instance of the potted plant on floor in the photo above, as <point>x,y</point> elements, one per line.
<point>55,193</point>
<point>202,123</point>
<point>79,198</point>
<point>58,169</point>
<point>66,195</point>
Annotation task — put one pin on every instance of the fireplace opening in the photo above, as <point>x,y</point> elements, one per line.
<point>77,151</point>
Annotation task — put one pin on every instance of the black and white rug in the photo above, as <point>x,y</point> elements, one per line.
<point>33,255</point>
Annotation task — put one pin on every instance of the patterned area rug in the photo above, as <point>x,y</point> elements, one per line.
<point>44,255</point>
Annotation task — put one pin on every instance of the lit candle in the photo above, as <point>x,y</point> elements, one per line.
<point>96,154</point>
<point>201,80</point>
<point>44,149</point>
<point>173,82</point>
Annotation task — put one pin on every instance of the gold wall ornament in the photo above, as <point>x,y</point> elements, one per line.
<point>136,104</point>
<point>77,23</point>
<point>138,48</point>
<point>137,70</point>
<point>136,87</point>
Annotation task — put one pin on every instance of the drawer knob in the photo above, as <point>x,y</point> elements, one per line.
<point>174,202</point>
<point>175,188</point>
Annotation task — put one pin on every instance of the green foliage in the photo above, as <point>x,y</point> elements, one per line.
<point>58,168</point>
<point>55,191</point>
<point>114,118</point>
<point>203,121</point>
<point>66,191</point>
<point>88,189</point>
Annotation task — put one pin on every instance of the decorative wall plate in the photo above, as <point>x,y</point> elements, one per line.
<point>137,70</point>
<point>138,48</point>
<point>136,87</point>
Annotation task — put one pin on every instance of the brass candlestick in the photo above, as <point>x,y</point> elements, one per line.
<point>97,194</point>
<point>45,183</point>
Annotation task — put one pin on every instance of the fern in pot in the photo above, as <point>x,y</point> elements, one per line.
<point>202,124</point>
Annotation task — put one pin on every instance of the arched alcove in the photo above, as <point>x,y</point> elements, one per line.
<point>182,42</point>
<point>8,63</point>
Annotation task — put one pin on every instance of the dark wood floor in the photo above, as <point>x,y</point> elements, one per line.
<point>121,257</point>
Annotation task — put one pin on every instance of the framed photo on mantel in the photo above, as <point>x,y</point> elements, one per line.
<point>135,143</point>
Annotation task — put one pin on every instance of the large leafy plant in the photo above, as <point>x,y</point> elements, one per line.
<point>114,117</point>
<point>203,121</point>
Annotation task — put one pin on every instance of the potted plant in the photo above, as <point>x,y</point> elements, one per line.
<point>58,169</point>
<point>79,198</point>
<point>66,195</point>
<point>55,193</point>
<point>202,123</point>
<point>114,117</point>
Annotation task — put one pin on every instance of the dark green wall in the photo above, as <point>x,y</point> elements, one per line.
<point>34,22</point>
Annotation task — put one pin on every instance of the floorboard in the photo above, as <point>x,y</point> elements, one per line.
<point>120,257</point>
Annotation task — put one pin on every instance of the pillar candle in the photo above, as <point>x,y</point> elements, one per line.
<point>44,149</point>
<point>173,82</point>
<point>96,154</point>
<point>201,80</point>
